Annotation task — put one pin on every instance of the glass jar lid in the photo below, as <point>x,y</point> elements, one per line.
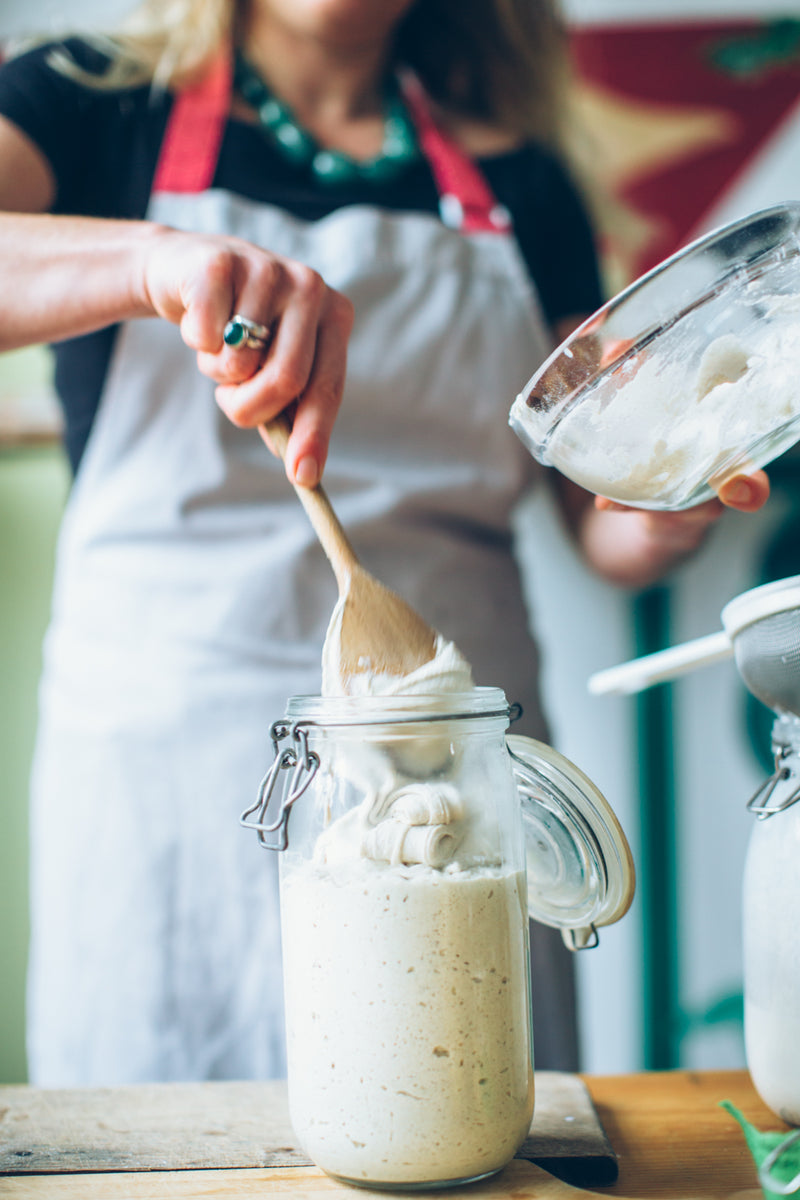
<point>579,864</point>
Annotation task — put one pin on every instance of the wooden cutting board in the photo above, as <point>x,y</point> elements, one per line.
<point>191,1126</point>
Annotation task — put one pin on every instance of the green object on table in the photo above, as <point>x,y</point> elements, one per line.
<point>776,1154</point>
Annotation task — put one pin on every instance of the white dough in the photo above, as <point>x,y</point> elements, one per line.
<point>672,419</point>
<point>407,1019</point>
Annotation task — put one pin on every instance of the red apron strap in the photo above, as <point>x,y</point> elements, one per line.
<point>193,136</point>
<point>466,202</point>
<point>192,139</point>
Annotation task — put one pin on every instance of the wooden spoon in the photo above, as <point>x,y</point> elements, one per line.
<point>380,633</point>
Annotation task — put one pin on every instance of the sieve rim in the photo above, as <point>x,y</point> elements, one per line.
<point>759,602</point>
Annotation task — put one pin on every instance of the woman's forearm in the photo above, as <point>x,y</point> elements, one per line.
<point>65,276</point>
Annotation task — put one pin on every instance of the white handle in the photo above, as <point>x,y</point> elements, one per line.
<point>641,673</point>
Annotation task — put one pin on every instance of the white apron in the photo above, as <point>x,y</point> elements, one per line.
<point>191,600</point>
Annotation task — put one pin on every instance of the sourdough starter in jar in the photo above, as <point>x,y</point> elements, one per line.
<point>408,1021</point>
<point>405,938</point>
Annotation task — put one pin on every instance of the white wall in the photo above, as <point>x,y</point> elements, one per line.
<point>20,17</point>
<point>643,12</point>
<point>39,15</point>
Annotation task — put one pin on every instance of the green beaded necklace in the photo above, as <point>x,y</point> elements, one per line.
<point>329,166</point>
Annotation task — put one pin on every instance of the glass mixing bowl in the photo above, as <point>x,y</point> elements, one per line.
<point>686,378</point>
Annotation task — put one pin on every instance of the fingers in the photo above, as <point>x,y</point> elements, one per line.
<point>747,493</point>
<point>603,504</point>
<point>319,403</point>
<point>199,282</point>
<point>285,367</point>
<point>305,364</point>
<point>700,514</point>
<point>255,286</point>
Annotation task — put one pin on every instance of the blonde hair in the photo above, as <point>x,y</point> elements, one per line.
<point>166,43</point>
<point>499,60</point>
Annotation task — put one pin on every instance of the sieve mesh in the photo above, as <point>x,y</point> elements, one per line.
<point>767,653</point>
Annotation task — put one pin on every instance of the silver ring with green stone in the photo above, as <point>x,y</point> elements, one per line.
<point>242,332</point>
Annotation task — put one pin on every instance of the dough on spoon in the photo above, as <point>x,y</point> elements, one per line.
<point>448,670</point>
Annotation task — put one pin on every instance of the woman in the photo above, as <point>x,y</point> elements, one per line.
<point>279,172</point>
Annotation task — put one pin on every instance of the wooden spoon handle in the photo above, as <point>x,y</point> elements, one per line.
<point>325,523</point>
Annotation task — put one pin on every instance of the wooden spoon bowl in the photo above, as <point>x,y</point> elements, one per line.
<point>380,633</point>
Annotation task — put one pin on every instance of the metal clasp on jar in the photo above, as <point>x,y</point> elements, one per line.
<point>296,758</point>
<point>767,800</point>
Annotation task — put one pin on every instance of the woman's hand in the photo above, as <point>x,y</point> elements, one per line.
<point>746,493</point>
<point>682,532</point>
<point>73,275</point>
<point>199,282</point>
<point>635,547</point>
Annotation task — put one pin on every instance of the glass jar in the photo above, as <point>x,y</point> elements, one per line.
<point>406,883</point>
<point>771,920</point>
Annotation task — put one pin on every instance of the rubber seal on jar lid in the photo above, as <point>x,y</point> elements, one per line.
<point>579,864</point>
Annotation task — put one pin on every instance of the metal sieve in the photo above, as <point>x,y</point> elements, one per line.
<point>767,654</point>
<point>764,628</point>
<point>761,629</point>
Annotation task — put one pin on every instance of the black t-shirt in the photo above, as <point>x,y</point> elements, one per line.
<point>103,148</point>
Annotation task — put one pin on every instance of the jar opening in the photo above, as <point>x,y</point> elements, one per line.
<point>373,710</point>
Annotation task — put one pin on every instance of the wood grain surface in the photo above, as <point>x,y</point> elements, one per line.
<point>192,1126</point>
<point>671,1138</point>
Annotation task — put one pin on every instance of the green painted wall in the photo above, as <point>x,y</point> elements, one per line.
<point>33,487</point>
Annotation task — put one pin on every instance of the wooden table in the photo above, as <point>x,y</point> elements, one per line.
<point>671,1138</point>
